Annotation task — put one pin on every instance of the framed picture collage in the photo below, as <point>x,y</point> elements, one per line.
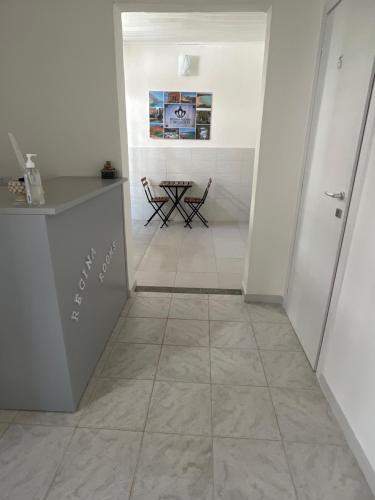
<point>180,115</point>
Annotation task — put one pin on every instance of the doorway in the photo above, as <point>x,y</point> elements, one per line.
<point>210,251</point>
<point>344,89</point>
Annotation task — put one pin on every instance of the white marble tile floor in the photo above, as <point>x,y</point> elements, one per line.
<point>195,398</point>
<point>194,258</point>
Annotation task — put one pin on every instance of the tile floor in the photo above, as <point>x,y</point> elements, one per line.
<point>194,398</point>
<point>183,257</point>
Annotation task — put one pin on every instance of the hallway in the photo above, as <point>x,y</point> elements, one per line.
<point>195,397</point>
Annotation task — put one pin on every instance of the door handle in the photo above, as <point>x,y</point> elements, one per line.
<point>337,196</point>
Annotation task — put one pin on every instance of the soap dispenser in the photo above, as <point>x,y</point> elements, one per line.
<point>33,183</point>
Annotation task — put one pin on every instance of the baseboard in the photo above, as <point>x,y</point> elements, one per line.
<point>351,438</point>
<point>267,299</point>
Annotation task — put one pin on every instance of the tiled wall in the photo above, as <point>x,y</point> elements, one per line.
<point>231,170</point>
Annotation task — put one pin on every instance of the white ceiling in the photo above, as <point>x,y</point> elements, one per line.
<point>193,27</point>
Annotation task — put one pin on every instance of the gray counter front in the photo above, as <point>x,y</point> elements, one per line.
<point>63,284</point>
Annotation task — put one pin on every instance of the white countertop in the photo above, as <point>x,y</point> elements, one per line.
<point>61,193</point>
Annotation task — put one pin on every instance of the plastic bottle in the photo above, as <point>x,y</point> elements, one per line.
<point>33,183</point>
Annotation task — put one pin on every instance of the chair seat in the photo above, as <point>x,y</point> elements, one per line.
<point>192,199</point>
<point>160,198</point>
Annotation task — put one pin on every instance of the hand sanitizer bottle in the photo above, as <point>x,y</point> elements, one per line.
<point>33,183</point>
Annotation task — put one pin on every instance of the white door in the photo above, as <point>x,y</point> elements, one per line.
<point>338,121</point>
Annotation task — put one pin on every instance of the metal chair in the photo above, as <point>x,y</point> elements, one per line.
<point>157,202</point>
<point>195,203</point>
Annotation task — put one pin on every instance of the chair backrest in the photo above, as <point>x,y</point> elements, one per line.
<point>206,190</point>
<point>146,187</point>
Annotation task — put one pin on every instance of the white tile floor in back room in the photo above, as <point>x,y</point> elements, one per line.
<point>203,398</point>
<point>199,257</point>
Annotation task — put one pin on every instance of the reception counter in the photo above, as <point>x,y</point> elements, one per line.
<point>63,284</point>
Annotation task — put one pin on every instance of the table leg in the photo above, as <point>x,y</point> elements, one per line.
<point>175,199</point>
<point>171,209</point>
<point>179,207</point>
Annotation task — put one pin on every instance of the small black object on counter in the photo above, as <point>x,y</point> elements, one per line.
<point>108,172</point>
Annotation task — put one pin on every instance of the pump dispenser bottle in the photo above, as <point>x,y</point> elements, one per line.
<point>33,183</point>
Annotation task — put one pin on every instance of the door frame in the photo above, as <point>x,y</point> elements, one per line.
<point>363,166</point>
<point>298,122</point>
<point>120,6</point>
<point>311,128</point>
<point>362,163</point>
<point>310,139</point>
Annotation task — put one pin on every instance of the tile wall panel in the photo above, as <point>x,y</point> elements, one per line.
<point>231,170</point>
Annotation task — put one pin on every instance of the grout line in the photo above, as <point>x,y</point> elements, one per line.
<point>278,350</point>
<point>229,320</point>
<point>105,356</point>
<point>145,251</point>
<point>215,256</point>
<point>44,424</point>
<point>59,466</point>
<point>6,426</point>
<point>263,369</point>
<point>218,436</point>
<point>265,375</point>
<point>180,246</point>
<point>11,420</point>
<point>310,389</point>
<point>148,411</point>
<point>281,435</point>
<point>282,439</point>
<point>207,436</point>
<point>289,468</point>
<point>193,381</point>
<point>211,420</point>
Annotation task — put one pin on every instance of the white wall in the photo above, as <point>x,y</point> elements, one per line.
<point>292,56</point>
<point>232,72</point>
<point>348,356</point>
<point>58,94</point>
<point>58,91</point>
<point>57,85</point>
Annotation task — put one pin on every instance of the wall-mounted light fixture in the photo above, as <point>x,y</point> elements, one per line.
<point>185,65</point>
